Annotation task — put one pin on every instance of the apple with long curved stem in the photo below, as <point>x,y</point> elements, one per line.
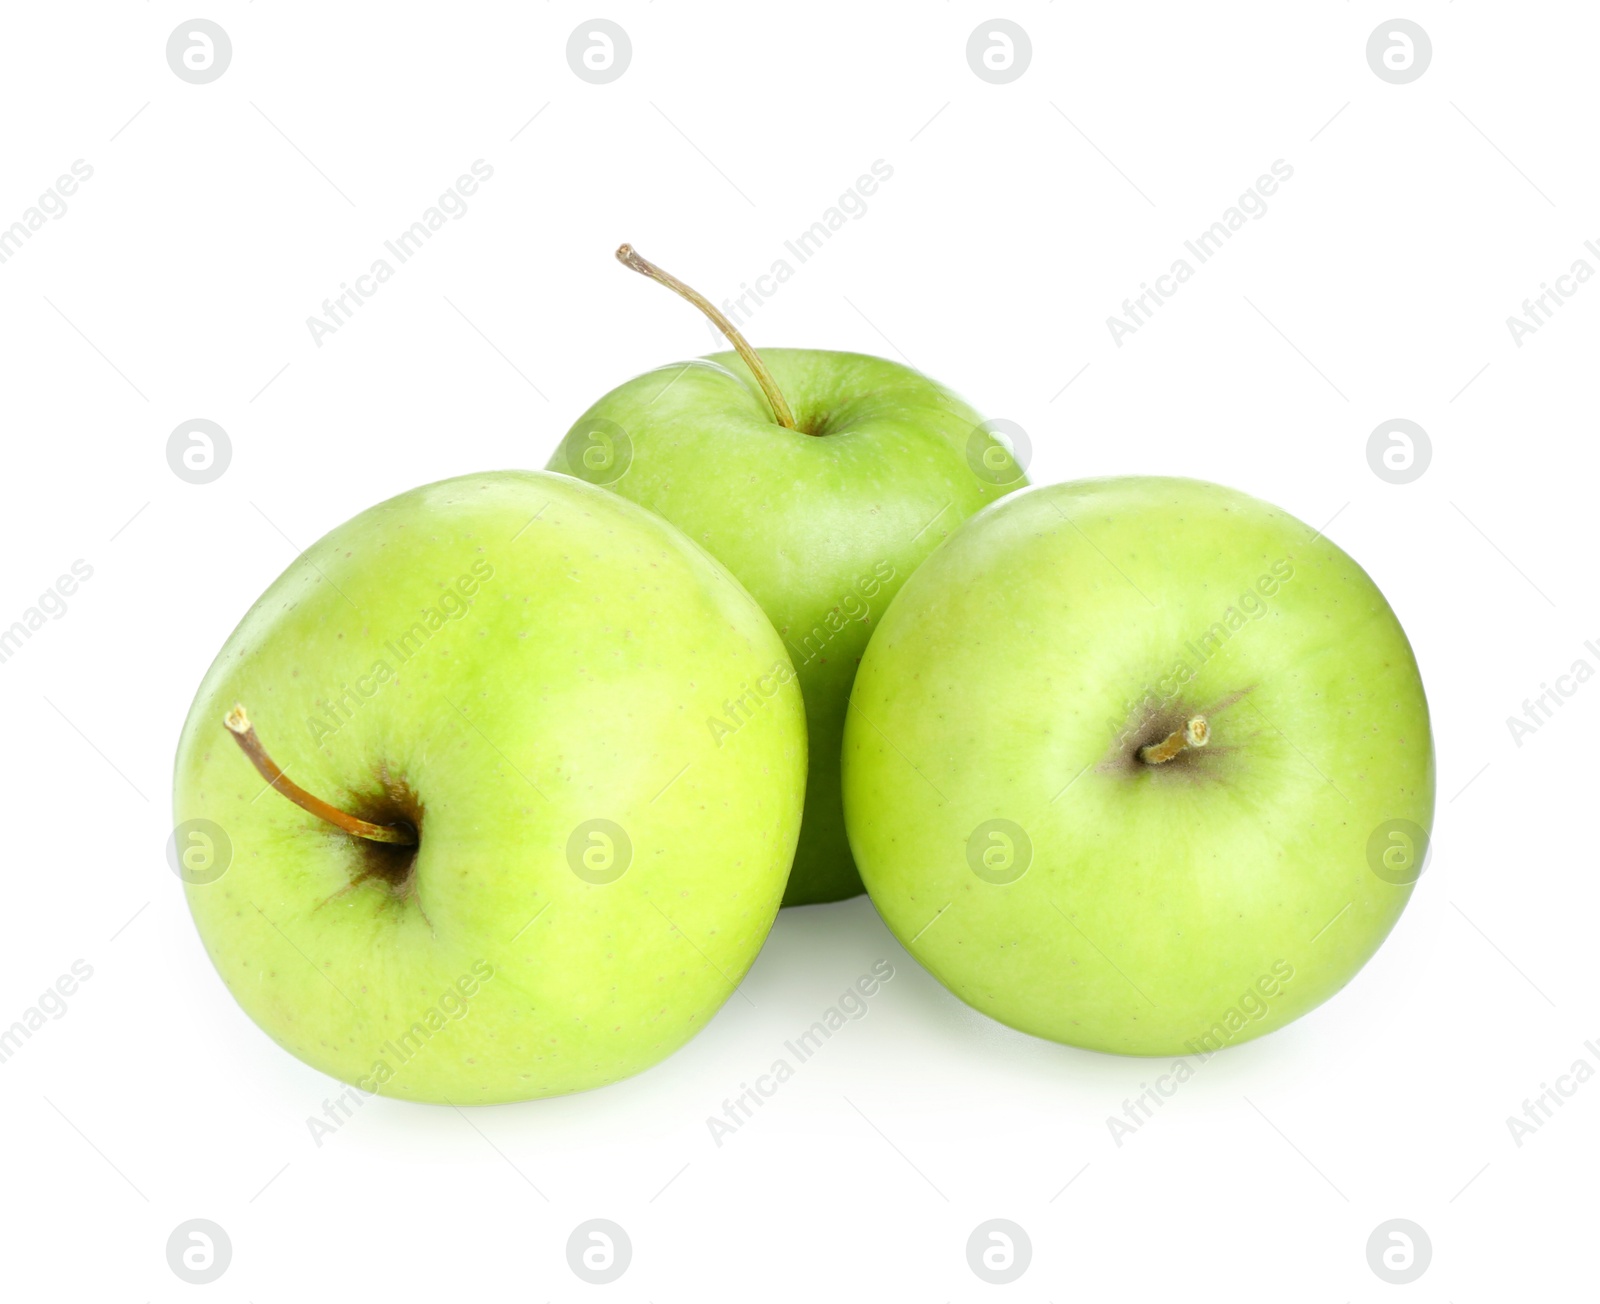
<point>511,862</point>
<point>821,480</point>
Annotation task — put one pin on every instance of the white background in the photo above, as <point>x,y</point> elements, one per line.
<point>1018,218</point>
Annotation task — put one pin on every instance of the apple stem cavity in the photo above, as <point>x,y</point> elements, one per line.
<point>245,735</point>
<point>1195,733</point>
<point>628,257</point>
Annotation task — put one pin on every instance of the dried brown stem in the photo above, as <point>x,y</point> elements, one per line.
<point>245,735</point>
<point>1196,733</point>
<point>628,257</point>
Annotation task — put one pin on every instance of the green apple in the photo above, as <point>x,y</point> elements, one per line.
<point>1140,765</point>
<point>506,677</point>
<point>821,480</point>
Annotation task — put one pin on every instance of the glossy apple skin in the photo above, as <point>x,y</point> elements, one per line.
<point>1009,681</point>
<point>572,682</point>
<point>821,524</point>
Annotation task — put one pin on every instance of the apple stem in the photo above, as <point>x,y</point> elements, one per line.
<point>1195,733</point>
<point>628,257</point>
<point>245,735</point>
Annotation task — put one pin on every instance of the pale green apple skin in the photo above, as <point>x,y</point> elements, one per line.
<point>822,527</point>
<point>1157,898</point>
<point>574,683</point>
